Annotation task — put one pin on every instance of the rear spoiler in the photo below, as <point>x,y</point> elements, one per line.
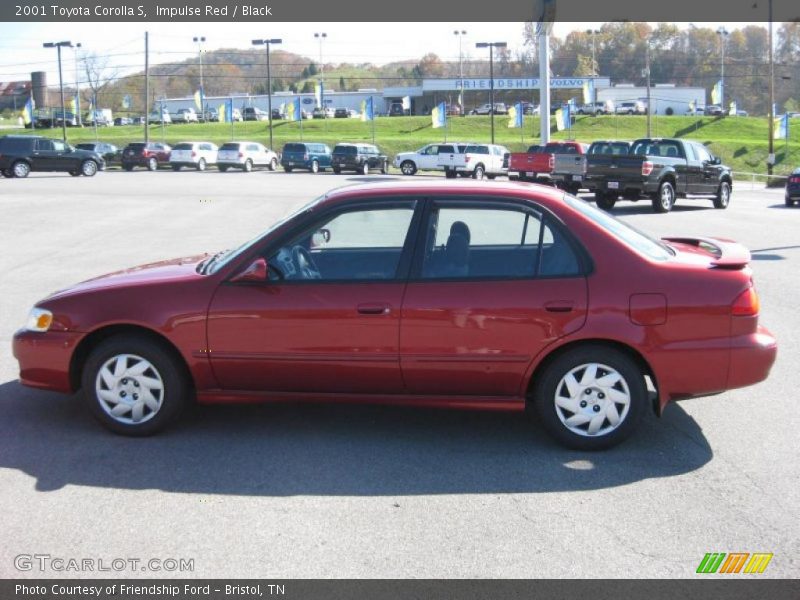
<point>729,254</point>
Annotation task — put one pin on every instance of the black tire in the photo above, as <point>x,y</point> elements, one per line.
<point>789,201</point>
<point>314,166</point>
<point>175,393</point>
<point>222,169</point>
<point>273,164</point>
<point>128,168</point>
<point>574,189</point>
<point>201,164</point>
<point>288,169</point>
<point>365,168</point>
<point>549,386</point>
<point>723,197</point>
<point>176,167</point>
<point>248,166</point>
<point>75,173</point>
<point>479,172</point>
<point>664,199</point>
<point>513,178</point>
<point>337,170</point>
<point>605,200</point>
<point>384,167</point>
<point>450,174</point>
<point>491,177</point>
<point>21,169</point>
<point>8,173</point>
<point>152,164</point>
<point>407,167</point>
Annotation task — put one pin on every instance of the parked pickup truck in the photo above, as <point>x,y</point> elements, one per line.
<point>474,160</point>
<point>662,170</point>
<point>569,167</point>
<point>538,162</point>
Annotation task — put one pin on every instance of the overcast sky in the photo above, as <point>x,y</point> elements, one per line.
<point>21,43</point>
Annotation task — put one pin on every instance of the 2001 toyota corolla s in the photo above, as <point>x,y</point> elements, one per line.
<point>454,294</point>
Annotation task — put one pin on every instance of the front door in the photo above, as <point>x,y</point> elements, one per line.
<point>328,317</point>
<point>491,287</point>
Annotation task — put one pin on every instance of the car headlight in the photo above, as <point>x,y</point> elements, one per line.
<point>39,319</point>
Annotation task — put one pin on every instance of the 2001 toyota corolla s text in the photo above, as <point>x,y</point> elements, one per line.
<point>455,294</point>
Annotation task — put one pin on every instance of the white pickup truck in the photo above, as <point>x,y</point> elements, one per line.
<point>475,160</point>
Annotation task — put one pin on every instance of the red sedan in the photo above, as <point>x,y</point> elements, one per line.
<point>468,295</point>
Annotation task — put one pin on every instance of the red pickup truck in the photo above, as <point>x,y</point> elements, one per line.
<point>537,163</point>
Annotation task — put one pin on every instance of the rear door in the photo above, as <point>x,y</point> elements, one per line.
<point>44,156</point>
<point>493,283</point>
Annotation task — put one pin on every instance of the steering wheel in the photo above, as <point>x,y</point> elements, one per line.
<point>305,263</point>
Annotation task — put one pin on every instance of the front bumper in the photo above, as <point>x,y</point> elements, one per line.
<point>44,358</point>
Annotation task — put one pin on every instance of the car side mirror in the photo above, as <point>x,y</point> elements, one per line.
<point>256,272</point>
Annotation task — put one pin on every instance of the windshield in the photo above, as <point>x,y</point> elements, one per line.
<point>632,237</point>
<point>230,146</point>
<point>294,148</point>
<point>216,262</point>
<point>182,147</point>
<point>345,150</point>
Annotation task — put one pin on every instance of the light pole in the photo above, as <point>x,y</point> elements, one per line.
<point>199,41</point>
<point>267,44</point>
<point>491,46</point>
<point>593,33</point>
<point>77,88</point>
<point>722,33</point>
<point>321,36</point>
<point>647,75</point>
<point>460,33</point>
<point>771,158</point>
<point>58,46</point>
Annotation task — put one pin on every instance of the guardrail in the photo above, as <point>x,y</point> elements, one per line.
<point>752,176</point>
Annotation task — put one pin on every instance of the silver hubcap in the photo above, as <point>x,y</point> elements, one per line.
<point>129,389</point>
<point>21,170</point>
<point>407,169</point>
<point>89,168</point>
<point>666,196</point>
<point>724,195</point>
<point>592,400</point>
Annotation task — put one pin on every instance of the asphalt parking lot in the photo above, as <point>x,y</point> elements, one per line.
<point>333,491</point>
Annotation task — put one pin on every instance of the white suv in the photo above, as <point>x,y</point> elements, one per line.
<point>193,154</point>
<point>424,159</point>
<point>482,160</point>
<point>185,115</point>
<point>245,156</point>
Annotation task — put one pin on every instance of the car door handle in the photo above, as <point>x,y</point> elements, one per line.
<point>558,306</point>
<point>374,308</point>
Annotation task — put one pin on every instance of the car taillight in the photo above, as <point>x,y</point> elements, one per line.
<point>241,154</point>
<point>194,153</point>
<point>145,153</point>
<point>746,303</point>
<point>647,168</point>
<point>794,179</point>
<point>305,156</point>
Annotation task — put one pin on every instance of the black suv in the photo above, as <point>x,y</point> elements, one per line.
<point>251,113</point>
<point>359,158</point>
<point>21,154</point>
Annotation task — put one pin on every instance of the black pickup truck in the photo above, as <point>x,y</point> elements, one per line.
<point>659,169</point>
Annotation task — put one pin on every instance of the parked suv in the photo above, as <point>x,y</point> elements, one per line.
<point>21,154</point>
<point>197,155</point>
<point>251,113</point>
<point>109,152</point>
<point>793,188</point>
<point>631,108</point>
<point>359,158</point>
<point>185,115</point>
<point>245,156</point>
<point>141,154</point>
<point>486,109</point>
<point>312,157</point>
<point>592,108</point>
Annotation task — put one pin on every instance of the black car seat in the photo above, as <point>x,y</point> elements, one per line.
<point>456,252</point>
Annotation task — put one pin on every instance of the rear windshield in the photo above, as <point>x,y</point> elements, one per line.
<point>183,147</point>
<point>345,150</point>
<point>535,149</point>
<point>294,148</point>
<point>477,150</point>
<point>228,146</point>
<point>631,236</point>
<point>658,148</point>
<point>10,144</point>
<point>617,148</point>
<point>85,146</point>
<point>136,146</point>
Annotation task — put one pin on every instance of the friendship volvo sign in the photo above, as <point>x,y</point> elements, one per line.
<point>509,83</point>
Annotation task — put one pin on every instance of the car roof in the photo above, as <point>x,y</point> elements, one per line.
<point>544,194</point>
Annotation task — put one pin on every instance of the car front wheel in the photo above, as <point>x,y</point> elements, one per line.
<point>133,385</point>
<point>314,166</point>
<point>591,397</point>
<point>723,197</point>
<point>88,168</point>
<point>273,164</point>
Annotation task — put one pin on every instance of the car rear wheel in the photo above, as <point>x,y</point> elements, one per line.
<point>8,173</point>
<point>605,200</point>
<point>479,172</point>
<point>74,173</point>
<point>723,197</point>
<point>21,169</point>
<point>288,169</point>
<point>133,385</point>
<point>314,166</point>
<point>337,170</point>
<point>365,168</point>
<point>591,397</point>
<point>152,164</point>
<point>201,164</point>
<point>407,167</point>
<point>248,166</point>
<point>664,200</point>
<point>273,164</point>
<point>128,168</point>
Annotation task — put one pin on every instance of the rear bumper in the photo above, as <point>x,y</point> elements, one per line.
<point>752,357</point>
<point>793,192</point>
<point>44,358</point>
